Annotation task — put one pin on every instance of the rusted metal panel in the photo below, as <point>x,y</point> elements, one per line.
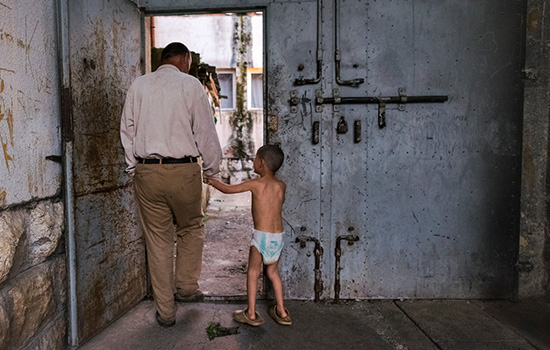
<point>104,59</point>
<point>110,259</point>
<point>174,6</point>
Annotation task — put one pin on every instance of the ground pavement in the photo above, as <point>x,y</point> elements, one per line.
<point>415,325</point>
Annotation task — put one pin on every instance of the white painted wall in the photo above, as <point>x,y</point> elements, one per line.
<point>29,101</point>
<point>211,36</point>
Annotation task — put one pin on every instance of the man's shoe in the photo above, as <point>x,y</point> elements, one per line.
<point>164,323</point>
<point>189,298</point>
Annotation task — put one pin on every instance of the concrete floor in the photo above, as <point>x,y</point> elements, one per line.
<point>415,325</point>
<point>227,230</point>
<point>380,324</point>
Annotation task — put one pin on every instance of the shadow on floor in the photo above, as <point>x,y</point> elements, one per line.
<point>381,324</point>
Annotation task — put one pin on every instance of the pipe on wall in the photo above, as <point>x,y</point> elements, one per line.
<point>317,79</point>
<point>353,82</point>
<point>67,139</point>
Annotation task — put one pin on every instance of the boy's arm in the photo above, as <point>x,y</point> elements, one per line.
<point>225,188</point>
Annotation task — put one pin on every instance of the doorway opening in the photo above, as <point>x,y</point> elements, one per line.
<point>228,58</point>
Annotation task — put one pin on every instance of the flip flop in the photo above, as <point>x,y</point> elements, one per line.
<point>242,317</point>
<point>285,321</point>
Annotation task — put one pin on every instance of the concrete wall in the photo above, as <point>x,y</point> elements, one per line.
<point>32,259</point>
<point>534,254</point>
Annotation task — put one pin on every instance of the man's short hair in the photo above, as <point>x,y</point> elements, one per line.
<point>173,50</point>
<point>273,157</point>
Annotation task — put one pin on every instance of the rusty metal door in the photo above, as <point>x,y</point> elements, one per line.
<point>105,51</point>
<point>406,200</point>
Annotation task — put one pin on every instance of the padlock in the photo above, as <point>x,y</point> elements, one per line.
<point>342,127</point>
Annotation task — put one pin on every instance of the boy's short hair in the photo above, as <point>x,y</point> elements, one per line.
<point>172,50</point>
<point>273,157</point>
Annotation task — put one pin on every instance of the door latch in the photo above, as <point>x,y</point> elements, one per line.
<point>342,127</point>
<point>357,131</point>
<point>315,133</point>
<point>382,114</point>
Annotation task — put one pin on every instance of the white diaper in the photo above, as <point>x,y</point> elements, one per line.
<point>270,245</point>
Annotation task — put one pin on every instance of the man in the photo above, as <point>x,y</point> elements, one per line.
<point>166,126</point>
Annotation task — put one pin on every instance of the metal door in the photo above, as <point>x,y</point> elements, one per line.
<point>291,50</point>
<point>105,51</point>
<point>426,202</point>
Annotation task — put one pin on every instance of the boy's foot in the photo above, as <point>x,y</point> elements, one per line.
<point>285,321</point>
<point>189,298</point>
<point>242,317</point>
<point>164,323</point>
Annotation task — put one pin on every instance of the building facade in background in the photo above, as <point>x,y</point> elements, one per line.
<point>233,43</point>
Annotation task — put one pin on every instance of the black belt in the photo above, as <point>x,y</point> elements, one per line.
<point>168,160</point>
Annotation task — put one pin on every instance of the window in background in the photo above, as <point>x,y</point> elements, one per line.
<point>226,79</point>
<point>255,88</point>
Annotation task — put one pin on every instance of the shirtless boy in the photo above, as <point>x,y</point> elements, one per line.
<point>268,195</point>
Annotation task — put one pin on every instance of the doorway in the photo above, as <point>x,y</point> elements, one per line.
<point>228,59</point>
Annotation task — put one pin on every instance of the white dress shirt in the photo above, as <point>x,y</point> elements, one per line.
<point>167,115</point>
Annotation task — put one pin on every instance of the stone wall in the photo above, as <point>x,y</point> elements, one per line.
<point>32,277</point>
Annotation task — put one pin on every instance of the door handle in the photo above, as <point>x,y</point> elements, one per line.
<point>315,133</point>
<point>357,131</point>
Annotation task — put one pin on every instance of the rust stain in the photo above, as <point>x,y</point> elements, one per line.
<point>7,157</point>
<point>532,20</point>
<point>6,113</point>
<point>10,125</point>
<point>6,36</point>
<point>3,195</point>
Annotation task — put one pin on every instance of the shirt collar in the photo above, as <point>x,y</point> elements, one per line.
<point>168,66</point>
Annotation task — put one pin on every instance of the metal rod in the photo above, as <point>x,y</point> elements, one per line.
<point>338,253</point>
<point>317,79</point>
<point>391,99</point>
<point>318,252</point>
<point>353,82</point>
<point>67,149</point>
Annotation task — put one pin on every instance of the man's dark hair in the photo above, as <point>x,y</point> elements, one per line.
<point>172,50</point>
<point>273,157</point>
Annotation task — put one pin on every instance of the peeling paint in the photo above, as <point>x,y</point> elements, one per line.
<point>533,20</point>
<point>6,114</point>
<point>523,242</point>
<point>3,196</point>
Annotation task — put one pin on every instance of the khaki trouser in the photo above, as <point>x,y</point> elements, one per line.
<point>165,192</point>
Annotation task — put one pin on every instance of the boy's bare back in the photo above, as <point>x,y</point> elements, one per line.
<point>268,196</point>
<point>268,192</point>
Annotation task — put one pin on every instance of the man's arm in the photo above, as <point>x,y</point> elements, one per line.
<point>127,132</point>
<point>225,188</point>
<point>206,137</point>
